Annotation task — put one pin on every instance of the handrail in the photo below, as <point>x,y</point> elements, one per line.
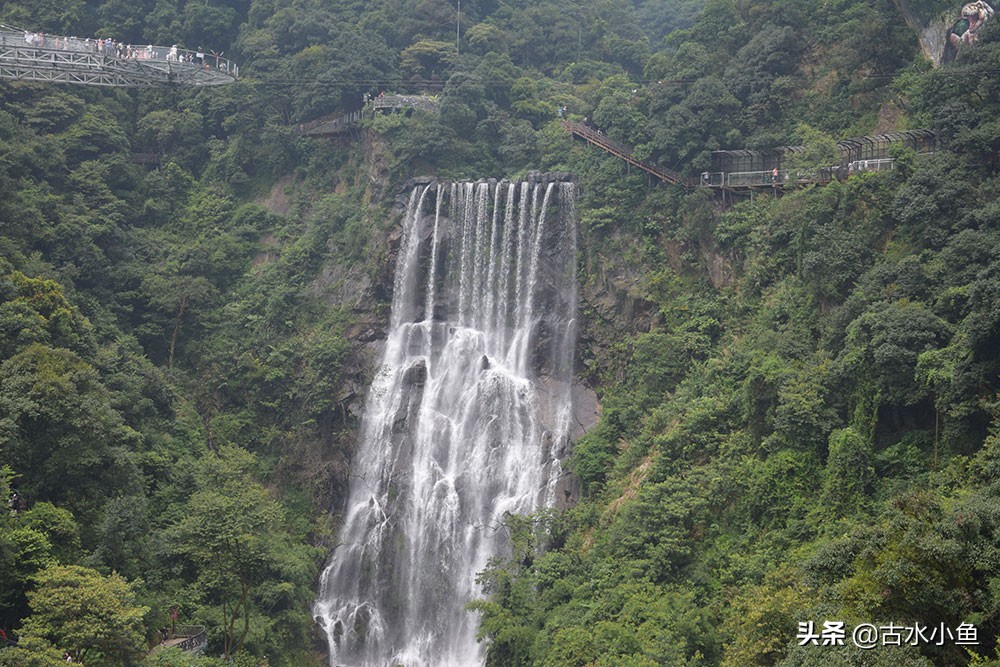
<point>189,638</point>
<point>194,642</point>
<point>397,101</point>
<point>625,153</point>
<point>14,37</point>
<point>330,124</point>
<point>771,178</point>
<point>29,55</point>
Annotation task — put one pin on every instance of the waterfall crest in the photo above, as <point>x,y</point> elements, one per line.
<point>464,423</point>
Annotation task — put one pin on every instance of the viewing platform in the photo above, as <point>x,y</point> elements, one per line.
<point>338,123</point>
<point>31,56</point>
<point>190,638</point>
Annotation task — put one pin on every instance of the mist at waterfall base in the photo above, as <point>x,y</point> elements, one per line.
<point>465,421</point>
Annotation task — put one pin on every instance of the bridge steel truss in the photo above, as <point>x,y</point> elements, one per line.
<point>24,62</point>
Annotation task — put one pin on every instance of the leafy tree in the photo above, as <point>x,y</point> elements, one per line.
<point>426,59</point>
<point>485,38</point>
<point>175,657</point>
<point>52,113</point>
<point>178,136</point>
<point>59,527</point>
<point>250,573</point>
<point>123,536</point>
<point>764,616</point>
<point>850,472</point>
<point>683,134</point>
<point>60,432</point>
<point>93,136</point>
<point>94,618</point>
<point>818,153</point>
<point>58,18</point>
<point>756,72</point>
<point>32,652</point>
<point>180,296</point>
<point>24,551</point>
<point>208,24</point>
<point>618,112</point>
<point>884,343</point>
<point>35,310</point>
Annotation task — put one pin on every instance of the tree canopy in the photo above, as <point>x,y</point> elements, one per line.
<point>799,410</point>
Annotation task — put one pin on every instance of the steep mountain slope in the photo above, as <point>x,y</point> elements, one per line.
<point>798,392</point>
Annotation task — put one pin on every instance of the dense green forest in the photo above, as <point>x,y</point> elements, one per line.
<point>800,418</point>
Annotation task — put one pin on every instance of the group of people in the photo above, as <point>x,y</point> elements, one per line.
<point>110,47</point>
<point>42,41</point>
<point>116,49</point>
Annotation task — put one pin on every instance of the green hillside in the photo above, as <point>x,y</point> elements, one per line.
<point>799,393</point>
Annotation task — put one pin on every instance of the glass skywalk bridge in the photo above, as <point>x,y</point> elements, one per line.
<point>30,56</point>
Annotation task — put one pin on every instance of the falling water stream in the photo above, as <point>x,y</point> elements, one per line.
<point>464,422</point>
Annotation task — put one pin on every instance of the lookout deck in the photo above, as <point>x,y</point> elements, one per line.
<point>30,56</point>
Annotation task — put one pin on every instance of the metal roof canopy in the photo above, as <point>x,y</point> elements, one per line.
<point>745,159</point>
<point>877,146</point>
<point>850,149</point>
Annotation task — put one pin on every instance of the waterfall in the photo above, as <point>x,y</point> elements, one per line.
<point>464,423</point>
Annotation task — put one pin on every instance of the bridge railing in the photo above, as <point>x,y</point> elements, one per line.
<point>193,637</point>
<point>192,59</point>
<point>331,124</point>
<point>622,151</point>
<point>744,179</point>
<point>768,177</point>
<point>392,102</point>
<point>195,642</point>
<point>883,164</point>
<point>712,179</point>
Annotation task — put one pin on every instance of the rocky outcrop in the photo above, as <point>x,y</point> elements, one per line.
<point>277,199</point>
<point>377,165</point>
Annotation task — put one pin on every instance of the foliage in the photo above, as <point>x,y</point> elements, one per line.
<point>249,573</point>
<point>799,394</point>
<point>93,618</point>
<point>60,431</point>
<point>806,455</point>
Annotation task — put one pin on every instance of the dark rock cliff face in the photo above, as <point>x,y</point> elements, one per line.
<point>612,309</point>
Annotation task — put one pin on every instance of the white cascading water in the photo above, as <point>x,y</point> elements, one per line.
<point>464,422</point>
